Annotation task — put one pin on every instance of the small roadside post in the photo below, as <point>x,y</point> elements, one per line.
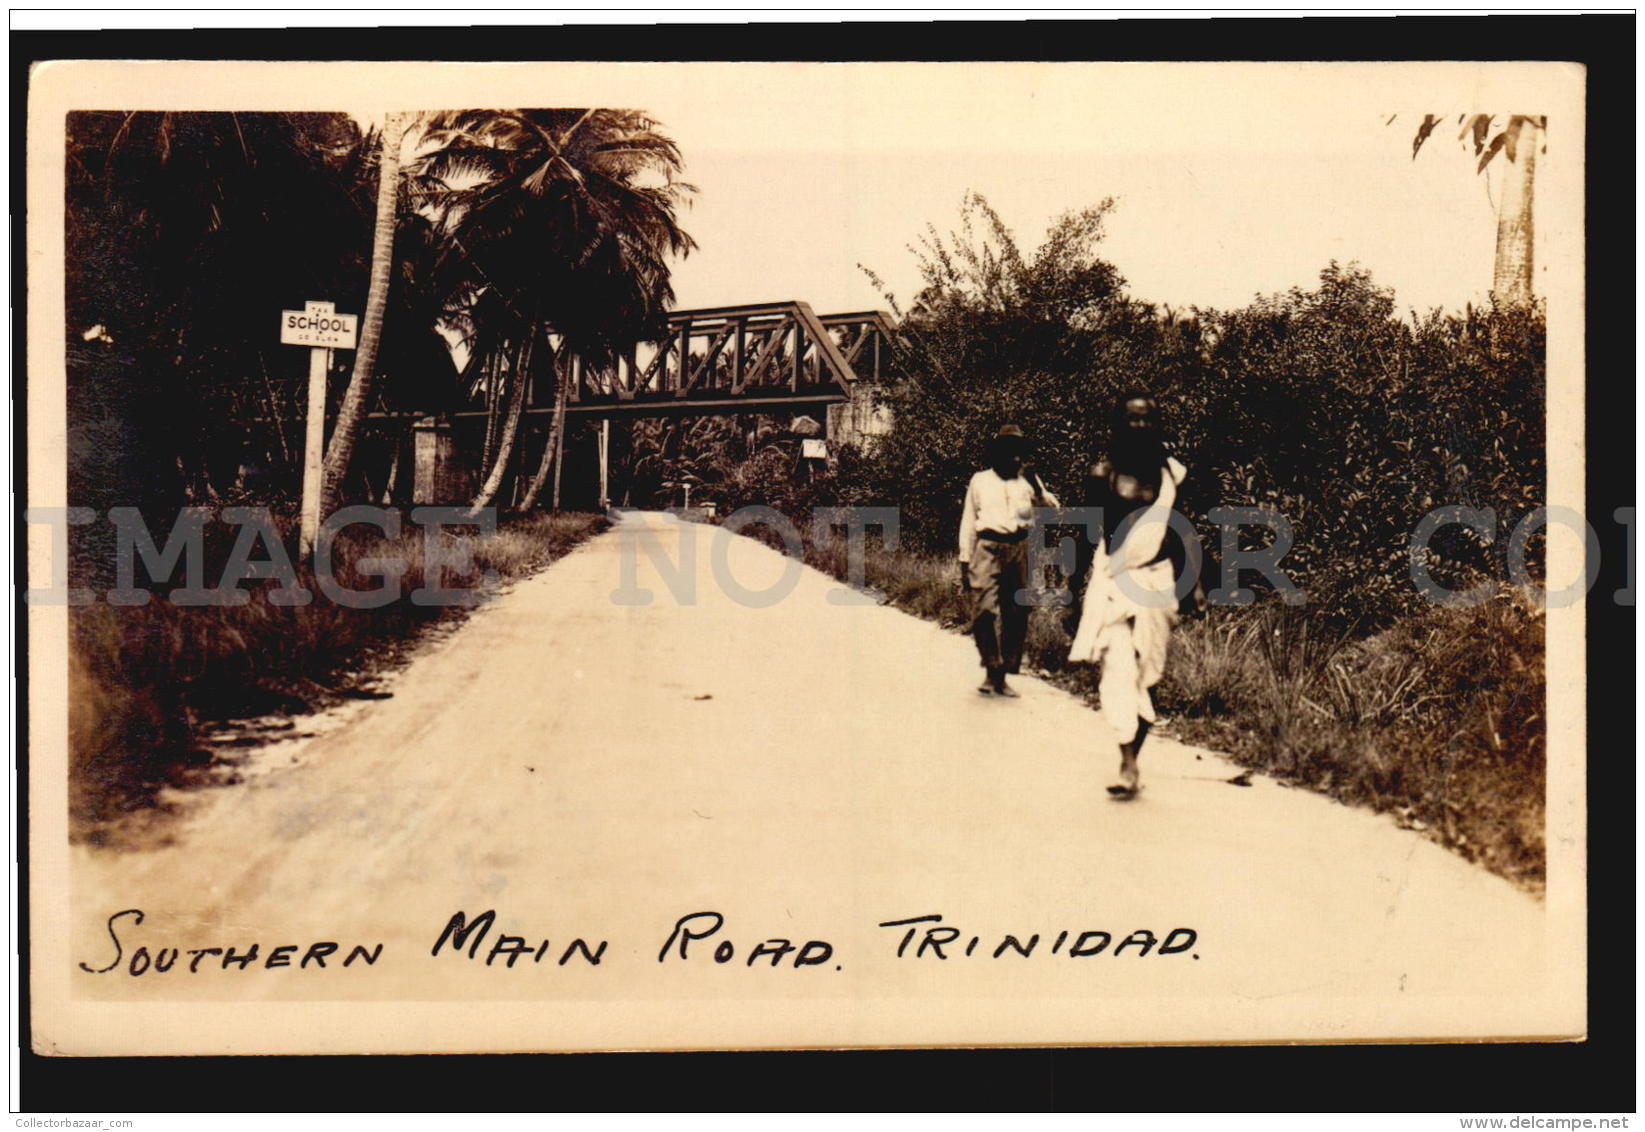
<point>319,327</point>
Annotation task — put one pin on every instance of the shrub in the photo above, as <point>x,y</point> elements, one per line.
<point>1320,404</point>
<point>1438,719</point>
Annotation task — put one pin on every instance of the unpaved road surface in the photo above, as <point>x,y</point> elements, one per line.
<point>808,770</point>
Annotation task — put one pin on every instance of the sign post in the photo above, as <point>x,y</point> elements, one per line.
<point>319,327</point>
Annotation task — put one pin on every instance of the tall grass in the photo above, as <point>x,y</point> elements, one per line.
<point>145,680</point>
<point>1437,720</point>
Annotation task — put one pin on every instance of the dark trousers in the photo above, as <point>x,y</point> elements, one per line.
<point>999,622</point>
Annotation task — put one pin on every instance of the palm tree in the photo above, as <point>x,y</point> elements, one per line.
<point>357,399</point>
<point>1520,139</point>
<point>569,218</point>
<point>554,443</point>
<point>187,232</point>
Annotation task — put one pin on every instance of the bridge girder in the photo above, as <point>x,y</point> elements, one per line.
<point>765,357</point>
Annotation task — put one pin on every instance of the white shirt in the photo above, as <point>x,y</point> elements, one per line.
<point>1001,506</point>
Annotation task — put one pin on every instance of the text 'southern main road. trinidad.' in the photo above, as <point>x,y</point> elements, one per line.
<point>808,771</point>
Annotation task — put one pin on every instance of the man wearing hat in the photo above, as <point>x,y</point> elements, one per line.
<point>994,524</point>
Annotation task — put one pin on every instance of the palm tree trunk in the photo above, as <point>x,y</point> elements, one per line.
<point>358,398</point>
<point>493,367</point>
<point>562,367</point>
<point>1511,279</point>
<point>559,454</point>
<point>515,385</point>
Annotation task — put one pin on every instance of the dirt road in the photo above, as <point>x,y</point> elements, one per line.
<point>809,771</point>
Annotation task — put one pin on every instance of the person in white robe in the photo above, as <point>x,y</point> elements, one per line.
<point>1131,597</point>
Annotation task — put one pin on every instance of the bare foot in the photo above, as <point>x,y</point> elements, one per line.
<point>1129,784</point>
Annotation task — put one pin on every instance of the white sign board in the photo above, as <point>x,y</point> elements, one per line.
<point>318,324</point>
<point>814,449</point>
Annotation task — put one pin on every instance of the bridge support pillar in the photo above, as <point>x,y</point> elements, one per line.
<point>858,421</point>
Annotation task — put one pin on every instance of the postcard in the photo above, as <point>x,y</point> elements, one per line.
<point>641,556</point>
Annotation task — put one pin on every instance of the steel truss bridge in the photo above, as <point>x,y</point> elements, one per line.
<point>766,358</point>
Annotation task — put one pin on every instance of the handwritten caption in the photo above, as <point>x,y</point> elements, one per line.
<point>696,937</point>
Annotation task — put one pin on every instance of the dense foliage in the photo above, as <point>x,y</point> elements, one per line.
<point>528,235</point>
<point>1322,404</point>
<point>186,235</point>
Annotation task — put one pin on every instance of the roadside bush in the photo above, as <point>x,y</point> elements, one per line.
<point>1320,404</point>
<point>1438,719</point>
<point>1354,425</point>
<point>1046,341</point>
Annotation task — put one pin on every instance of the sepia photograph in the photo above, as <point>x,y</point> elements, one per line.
<point>733,556</point>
